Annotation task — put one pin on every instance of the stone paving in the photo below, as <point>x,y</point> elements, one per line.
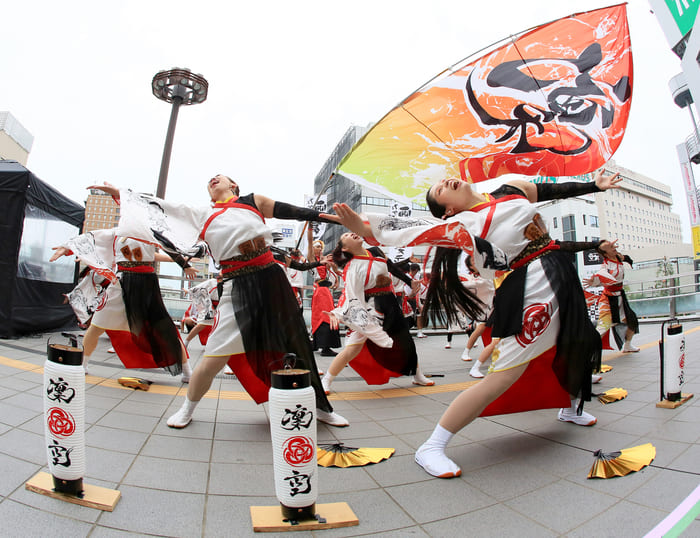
<point>523,474</point>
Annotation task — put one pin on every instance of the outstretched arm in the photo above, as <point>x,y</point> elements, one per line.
<point>351,220</point>
<point>282,210</point>
<point>558,191</point>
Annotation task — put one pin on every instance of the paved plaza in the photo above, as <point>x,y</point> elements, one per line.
<point>523,474</point>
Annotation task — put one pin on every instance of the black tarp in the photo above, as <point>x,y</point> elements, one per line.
<point>31,301</point>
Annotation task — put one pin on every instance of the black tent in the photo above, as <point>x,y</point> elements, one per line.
<point>33,218</point>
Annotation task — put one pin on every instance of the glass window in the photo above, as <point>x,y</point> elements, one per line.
<point>41,232</point>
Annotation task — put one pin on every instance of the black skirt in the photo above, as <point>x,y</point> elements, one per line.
<point>271,325</point>
<point>579,346</point>
<point>152,329</point>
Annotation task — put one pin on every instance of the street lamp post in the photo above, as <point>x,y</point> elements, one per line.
<point>178,86</point>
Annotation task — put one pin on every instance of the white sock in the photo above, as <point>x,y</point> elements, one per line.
<point>572,410</point>
<point>184,415</point>
<point>186,369</point>
<point>327,380</point>
<point>431,455</point>
<point>439,438</point>
<point>420,378</point>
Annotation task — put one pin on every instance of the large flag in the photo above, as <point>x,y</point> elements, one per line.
<point>551,101</point>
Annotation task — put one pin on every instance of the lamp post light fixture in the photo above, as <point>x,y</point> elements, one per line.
<point>178,86</point>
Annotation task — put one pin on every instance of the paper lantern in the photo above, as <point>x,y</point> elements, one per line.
<point>293,429</point>
<point>673,360</point>
<point>64,416</point>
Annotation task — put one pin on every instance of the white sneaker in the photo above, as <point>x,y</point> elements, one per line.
<point>111,350</point>
<point>475,372</point>
<point>420,334</point>
<point>180,419</point>
<point>629,348</point>
<point>227,370</point>
<point>465,355</point>
<point>332,419</point>
<point>436,463</point>
<point>448,346</point>
<point>569,415</point>
<point>595,378</point>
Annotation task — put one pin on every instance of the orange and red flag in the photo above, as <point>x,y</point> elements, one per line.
<point>552,101</point>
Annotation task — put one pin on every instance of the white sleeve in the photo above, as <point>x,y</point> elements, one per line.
<point>456,232</point>
<point>354,310</point>
<point>157,221</point>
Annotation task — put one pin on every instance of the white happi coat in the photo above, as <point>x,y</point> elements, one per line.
<point>103,250</point>
<point>224,229</point>
<point>611,276</point>
<point>483,288</point>
<point>502,223</point>
<point>204,295</point>
<point>353,310</point>
<point>296,277</point>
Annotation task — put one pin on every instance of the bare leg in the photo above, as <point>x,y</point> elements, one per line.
<point>473,337</point>
<point>483,357</point>
<point>628,347</point>
<point>339,362</point>
<point>463,410</point>
<point>200,382</point>
<point>92,336</point>
<point>472,401</point>
<point>480,328</point>
<point>194,332</point>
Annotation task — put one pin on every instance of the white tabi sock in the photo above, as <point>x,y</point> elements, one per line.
<point>326,381</point>
<point>186,372</point>
<point>431,455</point>
<point>420,379</point>
<point>184,415</point>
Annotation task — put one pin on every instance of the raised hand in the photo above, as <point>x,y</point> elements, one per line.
<point>108,188</point>
<point>58,252</point>
<point>604,182</point>
<point>351,220</point>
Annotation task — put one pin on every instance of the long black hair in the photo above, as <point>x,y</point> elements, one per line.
<point>340,256</point>
<point>446,296</point>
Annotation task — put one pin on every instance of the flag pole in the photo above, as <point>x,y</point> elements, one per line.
<point>323,189</point>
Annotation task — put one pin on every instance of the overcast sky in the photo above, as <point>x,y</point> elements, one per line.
<point>286,80</point>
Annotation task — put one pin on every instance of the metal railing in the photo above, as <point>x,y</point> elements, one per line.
<point>665,296</point>
<point>652,299</point>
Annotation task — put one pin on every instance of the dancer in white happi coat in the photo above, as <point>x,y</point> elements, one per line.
<point>378,345</point>
<point>614,312</point>
<point>258,320</point>
<point>133,314</point>
<point>546,339</point>
<point>484,290</point>
<point>205,300</point>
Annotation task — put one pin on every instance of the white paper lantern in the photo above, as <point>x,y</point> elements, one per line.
<point>674,362</point>
<point>293,430</point>
<point>64,417</point>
